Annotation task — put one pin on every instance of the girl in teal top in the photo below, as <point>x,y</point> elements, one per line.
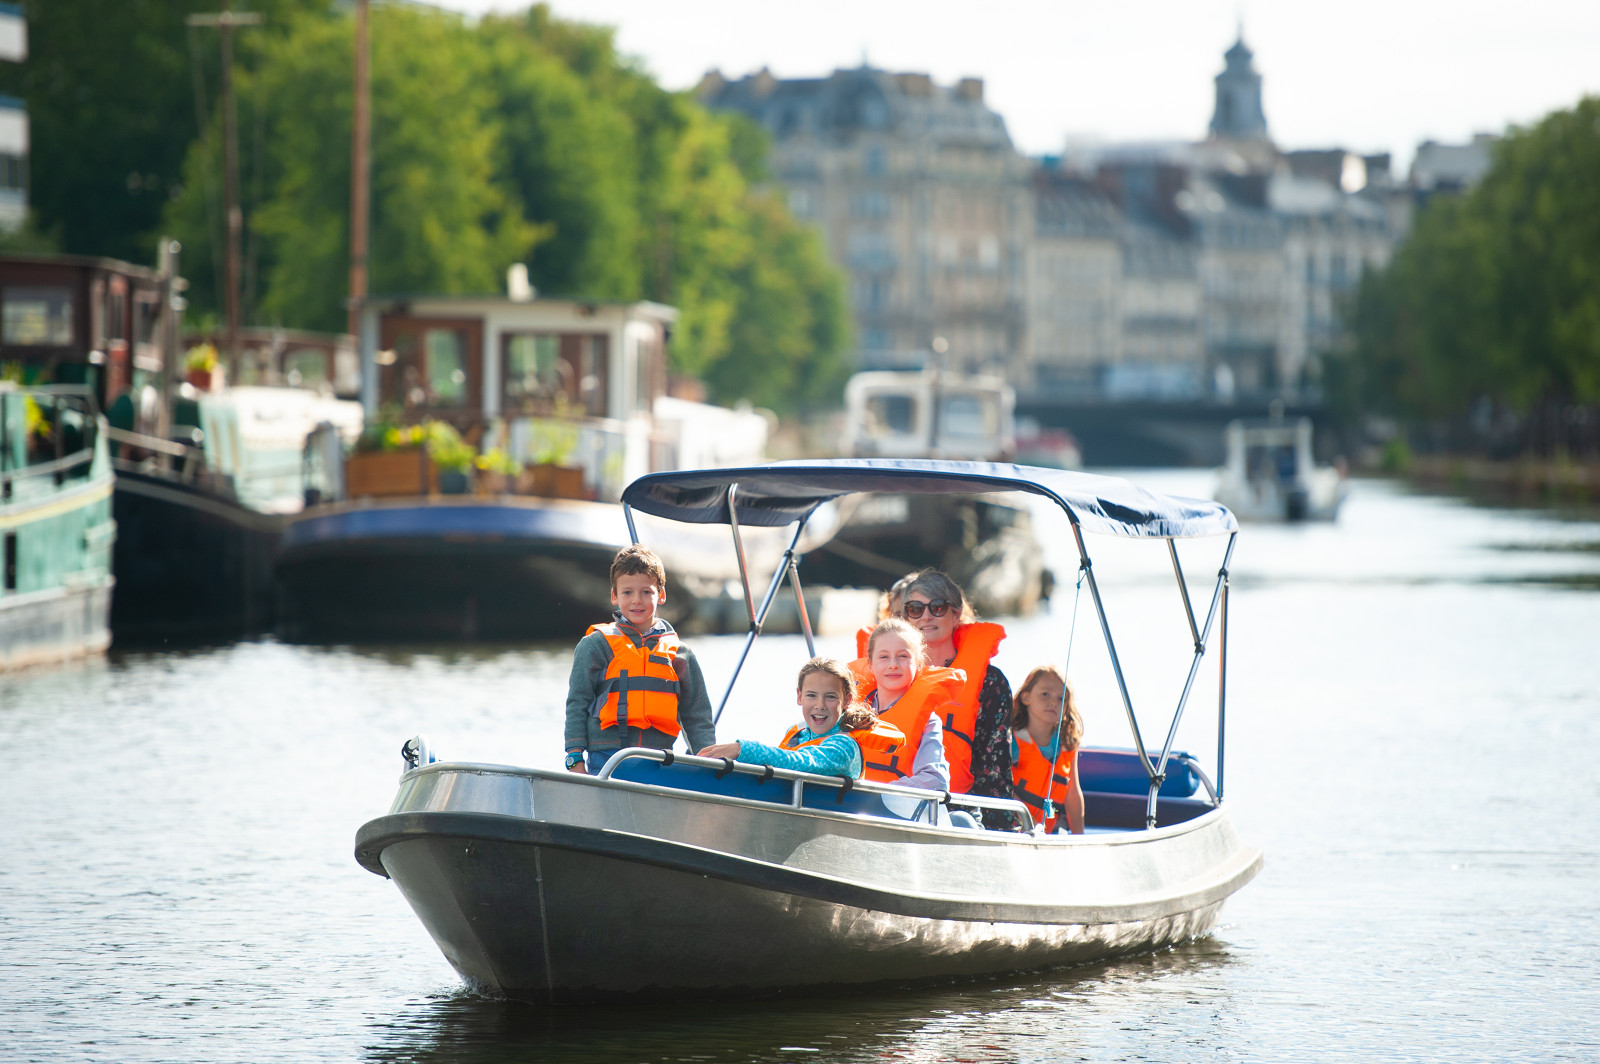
<point>826,695</point>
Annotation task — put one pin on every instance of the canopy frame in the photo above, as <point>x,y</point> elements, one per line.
<point>982,479</point>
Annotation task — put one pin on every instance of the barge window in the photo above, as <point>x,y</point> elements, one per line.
<point>37,317</point>
<point>967,415</point>
<point>447,368</point>
<point>890,414</point>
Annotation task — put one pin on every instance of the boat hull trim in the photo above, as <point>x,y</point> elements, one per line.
<point>561,887</point>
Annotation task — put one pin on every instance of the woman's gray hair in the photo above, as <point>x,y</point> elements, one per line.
<point>935,585</point>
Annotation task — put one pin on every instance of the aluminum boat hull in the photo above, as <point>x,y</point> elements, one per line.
<point>553,886</point>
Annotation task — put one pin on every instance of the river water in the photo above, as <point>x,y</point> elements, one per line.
<point>1413,728</point>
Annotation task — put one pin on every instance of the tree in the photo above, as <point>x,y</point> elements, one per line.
<point>1496,294</point>
<point>110,90</point>
<point>444,219</point>
<point>521,138</point>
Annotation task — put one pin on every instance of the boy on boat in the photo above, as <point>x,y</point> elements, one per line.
<point>633,683</point>
<point>1045,735</point>
<point>836,736</point>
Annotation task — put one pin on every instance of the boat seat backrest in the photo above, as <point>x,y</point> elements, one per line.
<point>1111,770</point>
<point>753,788</point>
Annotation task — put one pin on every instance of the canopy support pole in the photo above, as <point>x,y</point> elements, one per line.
<point>1183,588</point>
<point>800,602</point>
<point>759,617</point>
<point>738,550</point>
<point>633,533</point>
<point>1222,684</point>
<point>1200,642</point>
<point>1111,647</point>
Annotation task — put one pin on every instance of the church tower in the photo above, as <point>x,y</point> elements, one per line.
<point>1238,115</point>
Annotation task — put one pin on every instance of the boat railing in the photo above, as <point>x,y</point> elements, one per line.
<point>169,459</point>
<point>926,799</point>
<point>58,398</point>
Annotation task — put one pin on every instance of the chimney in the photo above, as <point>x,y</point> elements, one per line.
<point>517,286</point>
<point>970,89</point>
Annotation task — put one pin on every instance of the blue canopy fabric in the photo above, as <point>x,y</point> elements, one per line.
<point>781,492</point>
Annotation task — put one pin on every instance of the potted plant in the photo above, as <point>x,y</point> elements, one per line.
<point>554,442</point>
<point>390,459</point>
<point>452,455</point>
<point>201,368</point>
<point>497,472</point>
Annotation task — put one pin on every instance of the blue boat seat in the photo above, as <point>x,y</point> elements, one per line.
<point>1111,770</point>
<point>753,788</point>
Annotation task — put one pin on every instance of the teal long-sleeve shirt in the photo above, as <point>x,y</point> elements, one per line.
<point>836,755</point>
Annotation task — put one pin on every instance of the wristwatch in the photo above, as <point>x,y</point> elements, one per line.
<point>574,758</point>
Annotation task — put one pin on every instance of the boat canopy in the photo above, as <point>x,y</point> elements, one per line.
<point>782,492</point>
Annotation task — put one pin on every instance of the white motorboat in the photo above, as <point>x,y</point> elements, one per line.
<point>670,874</point>
<point>1270,473</point>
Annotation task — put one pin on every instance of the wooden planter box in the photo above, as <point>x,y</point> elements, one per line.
<point>379,473</point>
<point>553,482</point>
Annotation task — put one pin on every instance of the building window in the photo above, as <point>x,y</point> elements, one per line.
<point>877,340</point>
<point>36,317</point>
<point>13,172</point>
<point>800,203</point>
<point>870,205</point>
<point>874,161</point>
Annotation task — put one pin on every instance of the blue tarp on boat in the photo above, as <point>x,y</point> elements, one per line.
<point>776,494</point>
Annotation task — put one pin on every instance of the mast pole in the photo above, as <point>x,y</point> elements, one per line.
<point>360,170</point>
<point>225,21</point>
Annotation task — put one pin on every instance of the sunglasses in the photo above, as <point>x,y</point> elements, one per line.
<point>913,610</point>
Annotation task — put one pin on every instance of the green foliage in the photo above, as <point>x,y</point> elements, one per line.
<point>111,105</point>
<point>1496,293</point>
<point>508,138</point>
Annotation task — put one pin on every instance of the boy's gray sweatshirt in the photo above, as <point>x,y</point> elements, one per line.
<point>589,663</point>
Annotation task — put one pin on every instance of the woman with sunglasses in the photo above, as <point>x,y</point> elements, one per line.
<point>977,739</point>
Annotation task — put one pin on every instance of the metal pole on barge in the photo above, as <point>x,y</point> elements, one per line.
<point>224,21</point>
<point>360,171</point>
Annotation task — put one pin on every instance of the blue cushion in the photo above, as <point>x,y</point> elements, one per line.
<point>1117,771</point>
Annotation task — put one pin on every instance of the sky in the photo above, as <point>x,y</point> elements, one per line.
<point>1368,75</point>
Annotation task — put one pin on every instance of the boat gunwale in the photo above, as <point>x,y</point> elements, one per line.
<point>1117,837</point>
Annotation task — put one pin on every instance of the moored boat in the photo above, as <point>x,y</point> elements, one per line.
<point>740,878</point>
<point>55,525</point>
<point>1270,473</point>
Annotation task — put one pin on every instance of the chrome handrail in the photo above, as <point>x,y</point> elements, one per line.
<point>800,779</point>
<point>54,465</point>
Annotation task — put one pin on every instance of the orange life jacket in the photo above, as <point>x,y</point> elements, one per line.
<point>640,688</point>
<point>1031,773</point>
<point>930,693</point>
<point>883,749</point>
<point>975,645</point>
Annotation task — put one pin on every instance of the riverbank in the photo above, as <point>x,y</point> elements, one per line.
<point>1532,481</point>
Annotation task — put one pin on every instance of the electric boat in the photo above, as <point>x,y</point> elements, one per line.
<point>670,874</point>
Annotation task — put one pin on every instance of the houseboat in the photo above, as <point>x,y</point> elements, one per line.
<point>55,514</point>
<point>502,429</point>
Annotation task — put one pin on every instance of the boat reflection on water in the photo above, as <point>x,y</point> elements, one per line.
<point>973,1020</point>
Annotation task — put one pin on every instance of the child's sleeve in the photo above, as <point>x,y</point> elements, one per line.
<point>588,664</point>
<point>837,755</point>
<point>694,703</point>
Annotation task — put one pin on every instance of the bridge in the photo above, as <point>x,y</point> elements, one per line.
<point>1154,432</point>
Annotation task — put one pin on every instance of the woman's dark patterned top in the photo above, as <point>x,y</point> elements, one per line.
<point>991,747</point>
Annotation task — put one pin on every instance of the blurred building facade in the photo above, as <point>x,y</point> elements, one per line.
<point>920,196</point>
<point>1210,270</point>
